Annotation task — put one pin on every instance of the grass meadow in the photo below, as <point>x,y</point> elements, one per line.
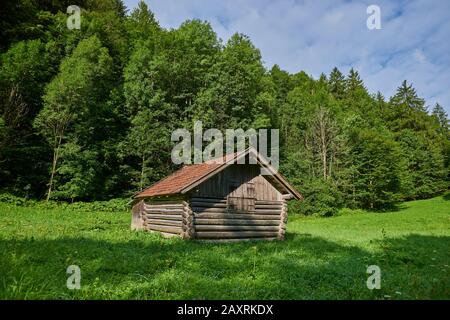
<point>322,258</point>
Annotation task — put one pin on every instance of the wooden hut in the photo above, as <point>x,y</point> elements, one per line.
<point>217,201</point>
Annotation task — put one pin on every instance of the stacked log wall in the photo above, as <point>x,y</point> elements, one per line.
<point>164,216</point>
<point>213,221</point>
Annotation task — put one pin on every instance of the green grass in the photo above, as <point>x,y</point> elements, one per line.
<point>322,258</point>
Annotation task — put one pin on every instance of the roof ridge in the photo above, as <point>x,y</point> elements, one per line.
<point>188,176</point>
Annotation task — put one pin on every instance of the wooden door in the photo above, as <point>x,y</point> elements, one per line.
<point>241,198</point>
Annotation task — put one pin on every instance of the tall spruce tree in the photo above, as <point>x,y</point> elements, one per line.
<point>441,118</point>
<point>337,84</point>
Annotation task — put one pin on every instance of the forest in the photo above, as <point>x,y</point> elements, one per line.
<point>87,114</point>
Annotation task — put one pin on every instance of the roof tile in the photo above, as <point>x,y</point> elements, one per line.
<point>179,180</point>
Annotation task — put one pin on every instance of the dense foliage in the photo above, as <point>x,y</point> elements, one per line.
<point>87,114</point>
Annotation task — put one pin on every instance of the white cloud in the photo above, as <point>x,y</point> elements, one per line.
<point>315,36</point>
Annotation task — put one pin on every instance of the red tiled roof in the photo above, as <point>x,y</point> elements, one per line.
<point>179,180</point>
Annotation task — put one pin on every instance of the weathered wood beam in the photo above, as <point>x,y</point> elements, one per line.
<point>234,234</point>
<point>148,207</point>
<point>163,216</point>
<point>208,205</point>
<point>211,200</point>
<point>223,210</point>
<point>201,210</point>
<point>164,211</point>
<point>165,204</point>
<point>272,211</point>
<point>258,208</point>
<point>268,206</point>
<point>164,222</point>
<point>250,222</point>
<point>268,202</point>
<point>251,216</point>
<point>168,229</point>
<point>235,228</point>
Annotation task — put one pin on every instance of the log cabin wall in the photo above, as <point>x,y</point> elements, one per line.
<point>136,216</point>
<point>236,204</point>
<point>171,218</point>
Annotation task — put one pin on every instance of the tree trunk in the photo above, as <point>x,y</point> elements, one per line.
<point>323,139</point>
<point>141,184</point>
<point>54,163</point>
<point>330,164</point>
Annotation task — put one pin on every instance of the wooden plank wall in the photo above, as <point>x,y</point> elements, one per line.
<point>218,186</point>
<point>265,191</point>
<point>212,221</point>
<point>171,218</point>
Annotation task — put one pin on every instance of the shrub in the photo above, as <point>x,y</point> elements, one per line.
<point>112,205</point>
<point>321,198</point>
<point>11,199</point>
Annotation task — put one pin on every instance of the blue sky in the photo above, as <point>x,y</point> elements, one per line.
<point>314,36</point>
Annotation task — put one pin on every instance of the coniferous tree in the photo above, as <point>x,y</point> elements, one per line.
<point>337,84</point>
<point>407,98</point>
<point>407,110</point>
<point>141,24</point>
<point>353,83</point>
<point>442,118</point>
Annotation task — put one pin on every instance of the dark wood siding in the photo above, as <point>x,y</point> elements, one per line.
<point>241,181</point>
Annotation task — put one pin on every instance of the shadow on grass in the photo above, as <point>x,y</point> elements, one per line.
<point>302,267</point>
